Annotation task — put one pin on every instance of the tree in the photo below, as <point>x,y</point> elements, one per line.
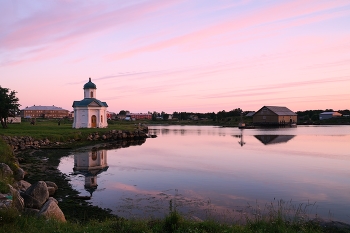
<point>123,112</point>
<point>154,116</point>
<point>9,105</point>
<point>165,116</point>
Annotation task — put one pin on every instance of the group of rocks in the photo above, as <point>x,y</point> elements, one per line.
<point>35,199</point>
<point>26,142</point>
<point>118,135</point>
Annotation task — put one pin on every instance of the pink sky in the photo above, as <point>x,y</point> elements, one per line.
<point>178,55</point>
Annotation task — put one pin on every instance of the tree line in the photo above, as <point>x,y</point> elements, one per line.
<point>9,107</point>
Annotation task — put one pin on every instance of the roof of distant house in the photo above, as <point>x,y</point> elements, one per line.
<point>328,112</point>
<point>281,111</point>
<point>249,114</point>
<point>44,108</point>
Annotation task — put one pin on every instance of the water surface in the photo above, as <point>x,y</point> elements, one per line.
<point>213,172</point>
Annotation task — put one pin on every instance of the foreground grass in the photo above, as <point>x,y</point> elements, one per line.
<point>7,157</point>
<point>10,221</point>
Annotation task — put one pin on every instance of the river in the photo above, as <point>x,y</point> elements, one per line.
<point>224,174</point>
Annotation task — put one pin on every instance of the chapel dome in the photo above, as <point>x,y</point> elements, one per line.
<point>90,85</point>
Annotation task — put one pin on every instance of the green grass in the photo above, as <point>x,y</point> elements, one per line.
<point>11,221</point>
<point>50,129</point>
<point>46,128</point>
<point>7,157</point>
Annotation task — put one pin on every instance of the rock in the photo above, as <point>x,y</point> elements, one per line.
<point>19,174</point>
<point>17,200</point>
<point>51,210</point>
<point>51,184</point>
<point>21,185</point>
<point>53,199</point>
<point>36,195</point>
<point>5,170</point>
<point>51,190</point>
<point>31,202</point>
<point>31,211</point>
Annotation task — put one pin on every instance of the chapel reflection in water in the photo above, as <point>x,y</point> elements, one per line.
<point>90,164</point>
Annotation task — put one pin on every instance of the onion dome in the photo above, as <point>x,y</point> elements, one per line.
<point>90,85</point>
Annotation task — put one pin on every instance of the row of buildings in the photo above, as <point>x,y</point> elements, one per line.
<point>92,113</point>
<point>54,112</point>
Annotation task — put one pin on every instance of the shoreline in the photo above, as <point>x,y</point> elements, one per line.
<point>43,165</point>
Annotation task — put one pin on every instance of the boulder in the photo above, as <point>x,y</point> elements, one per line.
<point>5,171</point>
<point>51,190</point>
<point>19,174</point>
<point>17,200</point>
<point>31,202</point>
<point>51,184</point>
<point>36,195</point>
<point>21,185</point>
<point>51,210</point>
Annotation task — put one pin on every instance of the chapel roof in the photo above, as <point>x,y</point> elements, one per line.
<point>90,85</point>
<point>88,102</point>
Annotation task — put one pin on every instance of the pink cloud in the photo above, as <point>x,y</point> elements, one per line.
<point>261,17</point>
<point>61,22</point>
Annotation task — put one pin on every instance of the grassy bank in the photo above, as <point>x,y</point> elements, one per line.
<point>50,129</point>
<point>10,222</point>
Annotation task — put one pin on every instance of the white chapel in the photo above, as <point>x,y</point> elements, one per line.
<point>90,112</point>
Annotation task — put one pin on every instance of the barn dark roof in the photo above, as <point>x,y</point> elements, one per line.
<point>281,111</point>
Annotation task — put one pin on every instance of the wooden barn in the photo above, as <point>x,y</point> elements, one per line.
<point>274,115</point>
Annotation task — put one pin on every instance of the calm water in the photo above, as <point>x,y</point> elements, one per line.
<point>211,172</point>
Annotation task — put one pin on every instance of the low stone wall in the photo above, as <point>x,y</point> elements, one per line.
<point>22,143</point>
<point>117,135</point>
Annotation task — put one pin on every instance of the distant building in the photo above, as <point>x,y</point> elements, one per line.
<point>328,115</point>
<point>71,114</point>
<point>140,116</point>
<point>274,115</point>
<point>13,120</point>
<point>90,112</point>
<point>111,115</point>
<point>44,112</point>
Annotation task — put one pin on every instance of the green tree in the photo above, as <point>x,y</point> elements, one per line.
<point>9,105</point>
<point>123,112</point>
<point>154,116</point>
<point>165,116</point>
